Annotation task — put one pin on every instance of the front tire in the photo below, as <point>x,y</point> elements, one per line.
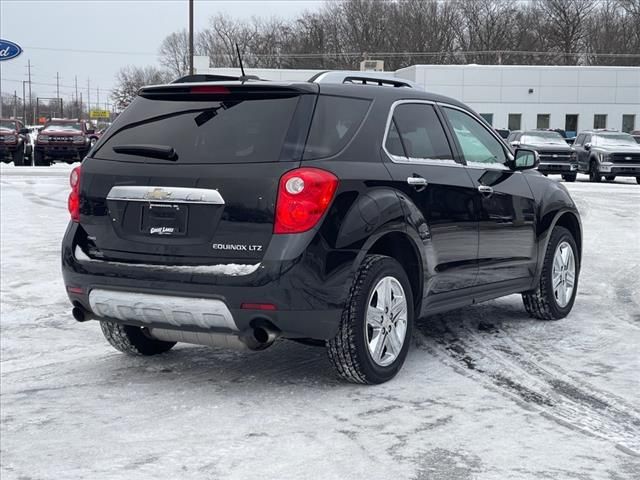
<point>570,177</point>
<point>375,330</point>
<point>556,292</point>
<point>594,175</point>
<point>132,340</point>
<point>39,160</point>
<point>18,157</point>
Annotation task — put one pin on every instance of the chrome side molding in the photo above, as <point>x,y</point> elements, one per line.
<point>135,193</point>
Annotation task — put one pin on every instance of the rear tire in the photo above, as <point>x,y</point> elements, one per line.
<point>18,157</point>
<point>543,302</point>
<point>594,175</point>
<point>132,340</point>
<point>570,177</point>
<point>363,330</point>
<point>39,160</point>
<point>610,178</point>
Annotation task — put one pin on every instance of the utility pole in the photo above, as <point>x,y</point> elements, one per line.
<point>77,109</point>
<point>98,97</point>
<point>31,110</point>
<point>24,103</point>
<point>190,37</point>
<point>58,92</point>
<point>88,94</point>
<point>15,104</point>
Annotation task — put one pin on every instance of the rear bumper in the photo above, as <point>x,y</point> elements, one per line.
<point>307,303</point>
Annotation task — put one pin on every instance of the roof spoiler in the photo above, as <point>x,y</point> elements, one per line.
<point>206,77</point>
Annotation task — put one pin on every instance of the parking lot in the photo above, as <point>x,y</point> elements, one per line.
<point>486,391</point>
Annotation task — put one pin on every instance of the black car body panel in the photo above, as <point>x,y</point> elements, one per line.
<point>457,244</point>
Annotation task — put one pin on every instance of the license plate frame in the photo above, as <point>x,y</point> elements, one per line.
<point>164,219</point>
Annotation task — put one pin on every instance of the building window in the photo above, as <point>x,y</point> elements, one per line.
<point>571,125</point>
<point>515,121</point>
<point>488,117</point>
<point>600,120</point>
<point>543,120</point>
<point>628,123</point>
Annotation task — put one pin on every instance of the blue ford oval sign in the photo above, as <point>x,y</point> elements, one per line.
<point>9,50</point>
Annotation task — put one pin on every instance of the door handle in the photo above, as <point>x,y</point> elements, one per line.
<point>483,189</point>
<point>417,181</point>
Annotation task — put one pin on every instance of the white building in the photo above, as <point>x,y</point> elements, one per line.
<point>517,97</point>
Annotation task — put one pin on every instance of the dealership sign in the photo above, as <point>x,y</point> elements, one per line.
<point>9,50</point>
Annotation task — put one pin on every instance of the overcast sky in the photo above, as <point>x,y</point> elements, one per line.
<point>48,31</point>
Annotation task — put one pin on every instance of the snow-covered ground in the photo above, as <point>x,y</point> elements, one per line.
<point>486,392</point>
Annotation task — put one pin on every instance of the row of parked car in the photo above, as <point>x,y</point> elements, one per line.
<point>66,140</point>
<point>599,153</point>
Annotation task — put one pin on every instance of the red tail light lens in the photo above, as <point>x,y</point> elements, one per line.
<point>74,197</point>
<point>304,194</point>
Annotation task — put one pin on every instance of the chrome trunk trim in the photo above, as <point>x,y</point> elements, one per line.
<point>135,193</point>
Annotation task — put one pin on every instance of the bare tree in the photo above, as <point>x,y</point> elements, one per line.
<point>130,79</point>
<point>565,26</point>
<point>174,53</point>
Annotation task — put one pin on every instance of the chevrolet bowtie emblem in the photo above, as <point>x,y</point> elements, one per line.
<point>157,194</point>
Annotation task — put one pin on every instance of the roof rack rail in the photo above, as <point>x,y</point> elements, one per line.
<point>375,81</point>
<point>362,78</point>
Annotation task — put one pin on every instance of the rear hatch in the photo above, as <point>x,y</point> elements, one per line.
<point>188,174</point>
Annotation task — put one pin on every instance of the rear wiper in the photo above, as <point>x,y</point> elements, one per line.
<point>162,152</point>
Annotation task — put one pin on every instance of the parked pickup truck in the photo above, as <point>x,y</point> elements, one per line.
<point>14,142</point>
<point>61,139</point>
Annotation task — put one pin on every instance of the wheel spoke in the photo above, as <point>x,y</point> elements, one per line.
<point>378,348</point>
<point>393,342</point>
<point>570,279</point>
<point>399,307</point>
<point>374,317</point>
<point>557,281</point>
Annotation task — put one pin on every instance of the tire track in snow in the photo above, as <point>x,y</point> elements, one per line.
<point>483,352</point>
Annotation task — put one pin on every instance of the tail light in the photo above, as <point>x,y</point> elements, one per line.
<point>74,197</point>
<point>210,89</point>
<point>304,194</point>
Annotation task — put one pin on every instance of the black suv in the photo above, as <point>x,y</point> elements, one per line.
<point>63,139</point>
<point>327,213</point>
<point>607,153</point>
<point>556,156</point>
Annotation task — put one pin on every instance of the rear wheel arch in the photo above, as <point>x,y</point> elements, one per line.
<point>401,247</point>
<point>570,221</point>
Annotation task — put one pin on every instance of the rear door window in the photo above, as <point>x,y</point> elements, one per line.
<point>416,133</point>
<point>335,122</point>
<point>230,130</point>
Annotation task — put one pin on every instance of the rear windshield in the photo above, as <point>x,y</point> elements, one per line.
<point>230,130</point>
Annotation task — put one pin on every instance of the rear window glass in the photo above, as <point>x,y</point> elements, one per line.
<point>335,121</point>
<point>233,130</point>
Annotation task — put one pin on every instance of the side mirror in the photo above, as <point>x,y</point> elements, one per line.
<point>524,159</point>
<point>587,146</point>
<point>91,131</point>
<point>515,144</point>
<point>23,131</point>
